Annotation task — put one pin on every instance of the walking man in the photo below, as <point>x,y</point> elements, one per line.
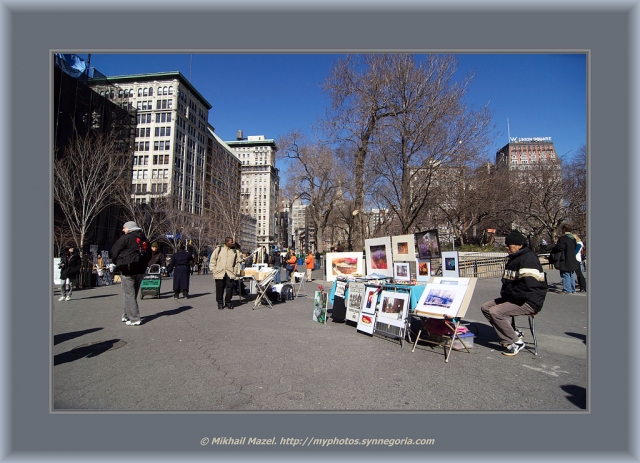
<point>567,264</point>
<point>131,255</point>
<point>180,265</point>
<point>222,266</point>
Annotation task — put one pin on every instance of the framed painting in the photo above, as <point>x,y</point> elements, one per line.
<point>441,300</point>
<point>379,257</point>
<point>320,307</point>
<point>401,271</point>
<point>370,300</point>
<point>423,269</point>
<point>344,264</point>
<point>366,322</point>
<point>393,308</point>
<point>450,264</point>
<point>428,244</point>
<point>404,248</point>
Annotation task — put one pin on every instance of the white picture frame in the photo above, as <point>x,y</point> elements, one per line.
<point>441,300</point>
<point>450,264</point>
<point>343,264</point>
<point>393,308</point>
<point>370,300</point>
<point>354,301</point>
<point>423,270</point>
<point>379,256</point>
<point>401,271</point>
<point>366,322</point>
<point>403,248</point>
<point>451,281</point>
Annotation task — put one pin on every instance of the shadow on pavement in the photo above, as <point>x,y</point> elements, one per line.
<point>166,313</point>
<point>101,295</point>
<point>582,337</point>
<point>58,338</point>
<point>577,395</point>
<point>87,350</point>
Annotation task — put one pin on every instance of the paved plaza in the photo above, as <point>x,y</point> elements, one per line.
<point>188,355</point>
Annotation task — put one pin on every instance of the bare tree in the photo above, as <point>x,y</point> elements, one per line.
<point>62,237</point>
<point>411,115</point>
<point>575,186</point>
<point>315,178</point>
<point>229,221</point>
<point>84,176</point>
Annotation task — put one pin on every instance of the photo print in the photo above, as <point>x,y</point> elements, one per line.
<point>404,248</point>
<point>423,269</point>
<point>370,300</point>
<point>450,264</point>
<point>379,256</point>
<point>428,244</point>
<point>343,264</point>
<point>393,307</point>
<point>441,299</point>
<point>401,271</point>
<point>320,307</point>
<point>354,300</point>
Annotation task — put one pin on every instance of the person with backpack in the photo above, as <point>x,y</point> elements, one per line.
<point>566,262</point>
<point>223,267</point>
<point>70,264</point>
<point>180,265</point>
<point>131,254</point>
<point>291,264</point>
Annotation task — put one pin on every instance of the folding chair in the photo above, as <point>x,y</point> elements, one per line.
<point>298,281</point>
<point>262,287</point>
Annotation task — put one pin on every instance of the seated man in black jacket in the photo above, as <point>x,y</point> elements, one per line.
<point>523,291</point>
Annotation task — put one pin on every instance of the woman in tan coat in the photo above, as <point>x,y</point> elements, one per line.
<point>222,266</point>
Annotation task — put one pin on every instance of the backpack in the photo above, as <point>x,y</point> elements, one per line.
<point>137,259</point>
<point>286,293</point>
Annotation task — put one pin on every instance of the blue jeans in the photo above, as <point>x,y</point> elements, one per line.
<point>568,283</point>
<point>277,279</point>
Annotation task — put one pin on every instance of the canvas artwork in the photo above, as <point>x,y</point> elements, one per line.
<point>393,307</point>
<point>441,299</point>
<point>344,264</point>
<point>450,264</point>
<point>320,307</point>
<point>428,244</point>
<point>379,257</point>
<point>401,271</point>
<point>370,301</point>
<point>423,269</point>
<point>354,302</point>
<point>404,248</point>
<point>366,322</point>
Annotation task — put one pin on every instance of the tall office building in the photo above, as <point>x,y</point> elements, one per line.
<point>177,153</point>
<point>260,184</point>
<point>524,153</point>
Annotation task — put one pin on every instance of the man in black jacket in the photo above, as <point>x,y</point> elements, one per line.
<point>565,248</point>
<point>524,287</point>
<point>131,256</point>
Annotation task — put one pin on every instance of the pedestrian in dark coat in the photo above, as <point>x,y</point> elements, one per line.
<point>130,255</point>
<point>567,263</point>
<point>180,265</point>
<point>70,264</point>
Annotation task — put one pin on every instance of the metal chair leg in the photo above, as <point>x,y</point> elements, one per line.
<point>532,327</point>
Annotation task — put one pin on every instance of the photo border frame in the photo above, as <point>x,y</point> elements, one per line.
<point>386,242</point>
<point>411,251</point>
<point>419,277</point>
<point>610,26</point>
<point>396,266</point>
<point>331,256</point>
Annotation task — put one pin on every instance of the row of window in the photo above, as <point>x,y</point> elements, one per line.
<point>141,188</point>
<point>146,118</point>
<point>149,91</point>
<point>143,174</point>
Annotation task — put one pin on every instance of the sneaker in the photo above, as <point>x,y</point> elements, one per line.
<point>125,318</point>
<point>520,334</point>
<point>130,323</point>
<point>61,299</point>
<point>229,306</point>
<point>220,307</point>
<point>513,349</point>
<point>68,298</point>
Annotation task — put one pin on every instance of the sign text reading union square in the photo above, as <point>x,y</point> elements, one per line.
<point>526,140</point>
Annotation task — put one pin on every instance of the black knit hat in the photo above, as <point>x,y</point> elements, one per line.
<point>515,237</point>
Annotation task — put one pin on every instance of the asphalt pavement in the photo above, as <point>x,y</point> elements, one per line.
<point>189,356</point>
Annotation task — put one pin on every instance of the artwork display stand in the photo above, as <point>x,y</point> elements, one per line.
<point>386,329</point>
<point>451,320</point>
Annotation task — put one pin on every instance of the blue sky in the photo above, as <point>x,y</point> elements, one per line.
<point>542,95</point>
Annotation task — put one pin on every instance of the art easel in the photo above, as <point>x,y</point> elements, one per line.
<point>452,322</point>
<point>387,329</point>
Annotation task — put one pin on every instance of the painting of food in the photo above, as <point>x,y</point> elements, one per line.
<point>344,265</point>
